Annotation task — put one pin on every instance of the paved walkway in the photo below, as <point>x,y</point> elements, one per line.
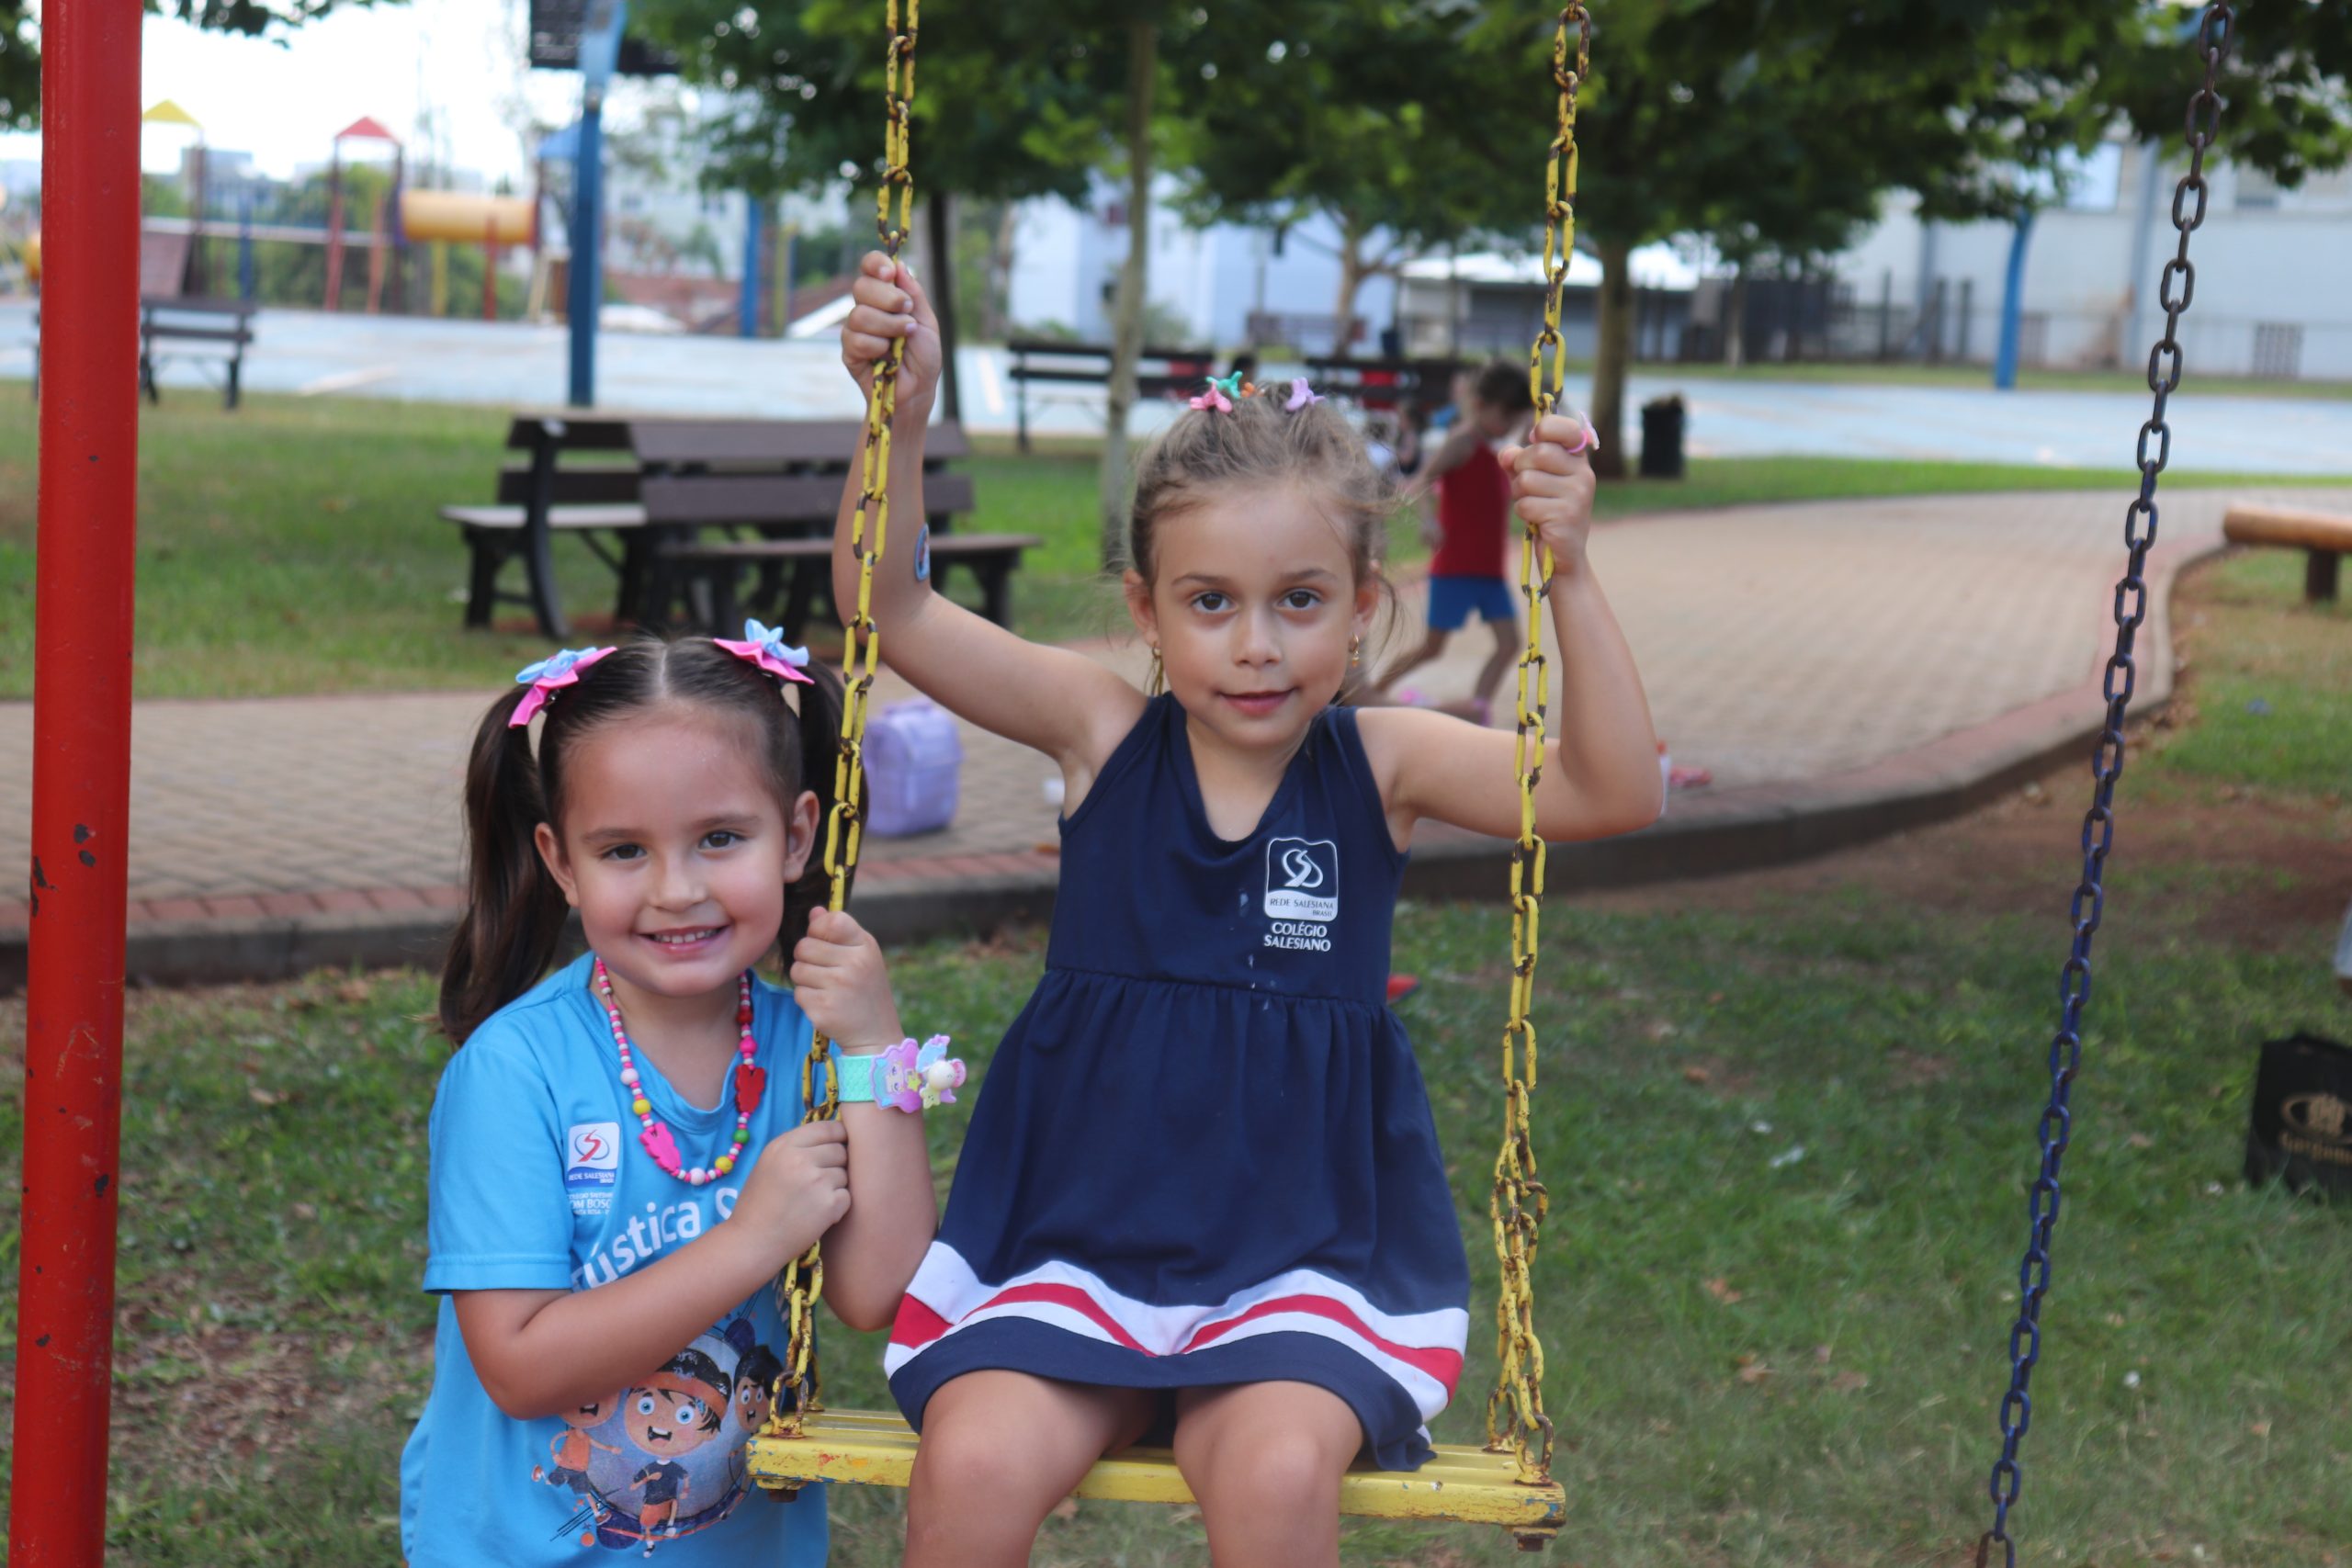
<point>314,354</point>
<point>1816,657</point>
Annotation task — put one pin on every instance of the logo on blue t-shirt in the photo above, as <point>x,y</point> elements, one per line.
<point>592,1166</point>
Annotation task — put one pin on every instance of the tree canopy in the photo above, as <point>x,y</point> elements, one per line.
<point>21,39</point>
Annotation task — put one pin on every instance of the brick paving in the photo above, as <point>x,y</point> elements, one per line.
<point>1781,647</point>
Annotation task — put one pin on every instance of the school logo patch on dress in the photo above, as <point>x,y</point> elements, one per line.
<point>592,1166</point>
<point>1302,892</point>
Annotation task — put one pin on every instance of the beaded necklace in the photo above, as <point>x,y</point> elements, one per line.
<point>751,1083</point>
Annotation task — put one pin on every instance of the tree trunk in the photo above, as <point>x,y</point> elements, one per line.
<point>1611,356</point>
<point>939,224</point>
<point>993,324</point>
<point>1135,278</point>
<point>1352,276</point>
<point>1735,320</point>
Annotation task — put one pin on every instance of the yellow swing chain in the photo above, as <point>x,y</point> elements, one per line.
<point>1515,1417</point>
<point>804,1278</point>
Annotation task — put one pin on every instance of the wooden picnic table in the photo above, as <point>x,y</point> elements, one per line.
<point>585,474</point>
<point>773,490</point>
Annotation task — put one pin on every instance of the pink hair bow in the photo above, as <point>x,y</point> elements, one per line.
<point>765,645</point>
<point>1214,398</point>
<point>548,676</point>
<point>1301,394</point>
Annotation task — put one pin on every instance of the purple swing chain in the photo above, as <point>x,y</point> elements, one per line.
<point>2215,33</point>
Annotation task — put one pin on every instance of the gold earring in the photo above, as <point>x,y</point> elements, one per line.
<point>1355,652</point>
<point>1158,682</point>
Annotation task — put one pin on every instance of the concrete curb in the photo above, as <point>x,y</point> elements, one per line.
<point>1707,833</point>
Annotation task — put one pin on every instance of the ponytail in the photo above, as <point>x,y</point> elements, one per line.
<point>514,911</point>
<point>820,750</point>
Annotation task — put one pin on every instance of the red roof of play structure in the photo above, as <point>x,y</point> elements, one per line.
<point>365,128</point>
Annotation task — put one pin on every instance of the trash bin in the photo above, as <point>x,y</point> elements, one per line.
<point>913,759</point>
<point>1662,423</point>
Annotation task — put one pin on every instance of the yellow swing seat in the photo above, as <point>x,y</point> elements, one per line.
<point>1467,1485</point>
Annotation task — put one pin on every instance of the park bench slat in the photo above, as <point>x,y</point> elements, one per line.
<point>567,486</point>
<point>770,442</point>
<point>719,500</point>
<point>2291,526</point>
<point>714,568</point>
<point>944,547</point>
<point>2325,538</point>
<point>572,431</point>
<point>200,334</point>
<point>617,515</point>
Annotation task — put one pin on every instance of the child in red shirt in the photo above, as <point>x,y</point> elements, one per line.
<point>1470,529</point>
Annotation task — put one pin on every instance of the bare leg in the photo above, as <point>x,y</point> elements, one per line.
<point>999,1451</point>
<point>1432,646</point>
<point>1507,652</point>
<point>1265,1460</point>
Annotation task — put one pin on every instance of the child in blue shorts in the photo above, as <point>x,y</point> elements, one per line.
<point>1471,526</point>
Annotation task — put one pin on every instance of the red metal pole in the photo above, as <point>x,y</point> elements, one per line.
<point>89,440</point>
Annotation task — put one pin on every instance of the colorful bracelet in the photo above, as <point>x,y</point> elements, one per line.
<point>913,1078</point>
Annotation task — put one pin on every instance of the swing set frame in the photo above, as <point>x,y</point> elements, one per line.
<point>79,871</point>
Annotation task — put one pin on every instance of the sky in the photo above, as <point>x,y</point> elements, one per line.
<point>454,64</point>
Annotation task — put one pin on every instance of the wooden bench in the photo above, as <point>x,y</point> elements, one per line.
<point>165,319</point>
<point>1403,389</point>
<point>540,498</point>
<point>220,323</point>
<point>2325,538</point>
<point>1158,373</point>
<point>771,489</point>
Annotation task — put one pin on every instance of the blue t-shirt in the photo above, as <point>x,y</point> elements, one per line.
<point>540,1183</point>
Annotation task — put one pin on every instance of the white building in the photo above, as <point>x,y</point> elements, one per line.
<point>1205,283</point>
<point>2272,269</point>
<point>1485,302</point>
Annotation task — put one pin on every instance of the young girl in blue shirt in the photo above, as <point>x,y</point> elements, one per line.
<point>1202,1187</point>
<point>618,1167</point>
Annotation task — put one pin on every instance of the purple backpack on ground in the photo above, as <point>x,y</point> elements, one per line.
<point>913,759</point>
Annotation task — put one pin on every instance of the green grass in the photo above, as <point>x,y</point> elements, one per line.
<point>293,546</point>
<point>1759,1358</point>
<point>2271,675</point>
<point>1974,377</point>
<point>1825,1400</point>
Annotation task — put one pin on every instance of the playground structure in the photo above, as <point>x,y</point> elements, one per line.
<point>366,130</point>
<point>440,217</point>
<point>172,252</point>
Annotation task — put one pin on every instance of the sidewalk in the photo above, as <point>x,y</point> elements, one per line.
<point>1845,669</point>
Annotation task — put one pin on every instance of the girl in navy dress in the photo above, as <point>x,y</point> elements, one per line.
<point>1203,1181</point>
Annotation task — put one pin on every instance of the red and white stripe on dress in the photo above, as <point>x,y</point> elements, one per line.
<point>1421,1351</point>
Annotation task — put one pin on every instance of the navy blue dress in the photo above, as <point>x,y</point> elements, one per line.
<point>1203,1155</point>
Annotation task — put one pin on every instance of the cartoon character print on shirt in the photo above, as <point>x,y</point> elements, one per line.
<point>756,1374</point>
<point>663,1457</point>
<point>570,1452</point>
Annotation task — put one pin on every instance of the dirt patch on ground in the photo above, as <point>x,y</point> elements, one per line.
<point>2246,869</point>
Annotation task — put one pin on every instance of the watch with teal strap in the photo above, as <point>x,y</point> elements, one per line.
<point>904,1077</point>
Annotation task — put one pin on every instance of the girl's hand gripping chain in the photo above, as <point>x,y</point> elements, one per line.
<point>889,305</point>
<point>798,1190</point>
<point>1552,484</point>
<point>839,979</point>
